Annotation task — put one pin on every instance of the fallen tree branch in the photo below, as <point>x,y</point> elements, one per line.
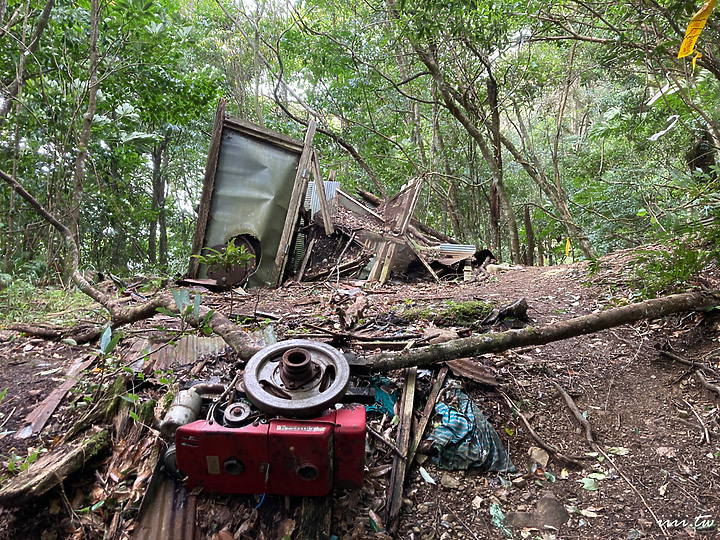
<point>543,334</point>
<point>544,445</point>
<point>120,313</point>
<point>578,415</point>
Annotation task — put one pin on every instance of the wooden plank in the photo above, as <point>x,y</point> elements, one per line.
<point>264,134</point>
<point>302,177</point>
<point>388,264</point>
<point>39,416</point>
<point>380,256</point>
<point>208,187</point>
<point>305,260</point>
<point>397,478</point>
<point>322,198</point>
<point>316,518</point>
<point>427,414</point>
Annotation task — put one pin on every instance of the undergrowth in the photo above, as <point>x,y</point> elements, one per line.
<point>670,269</point>
<point>22,301</point>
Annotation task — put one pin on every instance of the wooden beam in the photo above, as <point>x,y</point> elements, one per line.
<point>208,187</point>
<point>305,260</point>
<point>302,177</point>
<point>316,518</point>
<point>397,478</point>
<point>426,416</point>
<point>322,198</point>
<point>39,416</point>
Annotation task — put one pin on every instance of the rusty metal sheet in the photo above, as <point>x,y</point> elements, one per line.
<point>144,355</point>
<point>168,512</point>
<point>473,370</point>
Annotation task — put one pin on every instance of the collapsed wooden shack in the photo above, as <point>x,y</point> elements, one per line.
<point>264,192</point>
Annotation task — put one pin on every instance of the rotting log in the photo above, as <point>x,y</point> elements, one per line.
<point>543,334</point>
<point>47,472</point>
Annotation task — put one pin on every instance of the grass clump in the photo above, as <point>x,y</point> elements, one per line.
<point>22,301</point>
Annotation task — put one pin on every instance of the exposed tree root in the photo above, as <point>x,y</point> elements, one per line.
<point>578,415</point>
<point>574,461</point>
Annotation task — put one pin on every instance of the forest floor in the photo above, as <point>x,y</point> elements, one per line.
<point>656,473</point>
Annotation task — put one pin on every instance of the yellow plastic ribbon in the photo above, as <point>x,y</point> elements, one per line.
<point>695,27</point>
<point>567,247</point>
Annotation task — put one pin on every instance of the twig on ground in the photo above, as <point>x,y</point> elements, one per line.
<point>388,443</point>
<point>8,417</point>
<point>706,435</point>
<point>632,486</point>
<point>468,529</point>
<point>578,415</point>
<point>545,446</point>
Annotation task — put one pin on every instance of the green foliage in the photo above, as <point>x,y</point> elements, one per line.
<point>23,301</point>
<point>231,255</point>
<point>17,464</point>
<point>668,270</point>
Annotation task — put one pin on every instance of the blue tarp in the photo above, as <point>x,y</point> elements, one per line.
<point>465,439</point>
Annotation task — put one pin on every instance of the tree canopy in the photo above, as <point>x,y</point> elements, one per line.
<point>545,130</point>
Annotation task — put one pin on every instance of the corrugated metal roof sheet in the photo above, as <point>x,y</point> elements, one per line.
<point>170,513</point>
<point>312,200</point>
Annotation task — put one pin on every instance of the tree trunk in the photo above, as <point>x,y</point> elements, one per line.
<point>492,91</point>
<point>79,172</point>
<point>529,236</point>
<point>157,205</point>
<point>555,194</point>
<point>459,112</point>
<point>14,87</point>
<point>540,335</point>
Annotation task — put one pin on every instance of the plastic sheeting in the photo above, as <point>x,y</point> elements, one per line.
<point>465,439</point>
<point>253,184</point>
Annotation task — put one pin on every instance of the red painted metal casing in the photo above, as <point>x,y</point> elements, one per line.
<point>282,457</point>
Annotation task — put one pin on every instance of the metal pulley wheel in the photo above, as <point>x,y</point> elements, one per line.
<point>297,378</point>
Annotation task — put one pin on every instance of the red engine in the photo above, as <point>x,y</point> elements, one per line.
<point>278,432</point>
<point>280,456</point>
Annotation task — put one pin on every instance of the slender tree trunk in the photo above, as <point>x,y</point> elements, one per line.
<point>81,156</point>
<point>461,114</point>
<point>459,225</point>
<point>14,87</point>
<point>158,188</point>
<point>256,53</point>
<point>530,236</point>
<point>555,194</point>
<point>561,115</point>
<point>10,239</point>
<point>497,150</point>
<point>162,213</point>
